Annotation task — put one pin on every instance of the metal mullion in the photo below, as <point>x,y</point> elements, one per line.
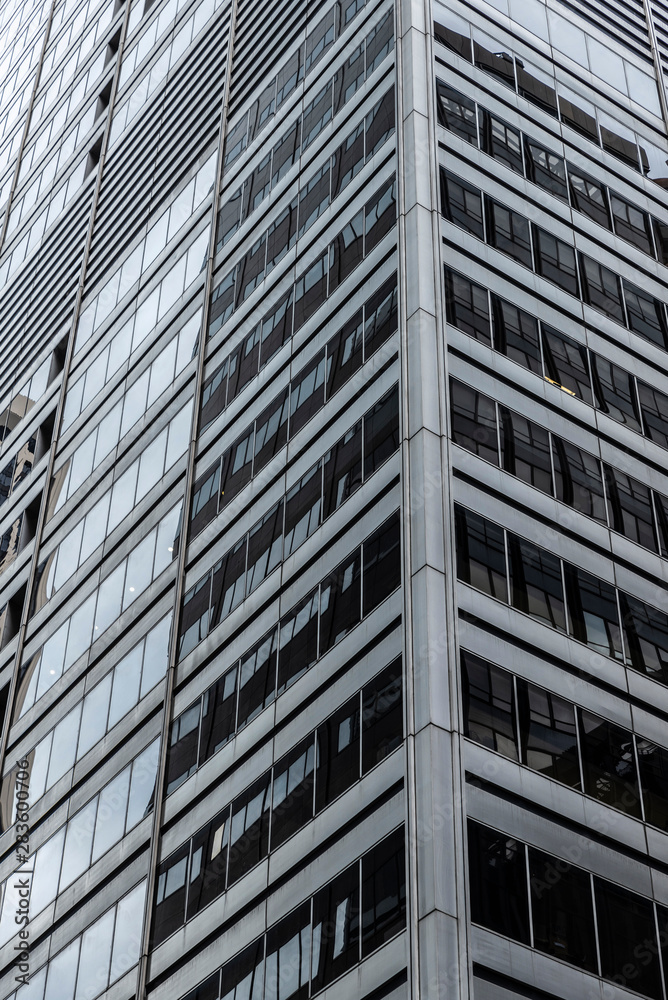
<point>620,622</point>
<point>507,560</point>
<point>516,714</point>
<point>657,931</point>
<point>640,786</point>
<point>594,911</point>
<point>550,436</point>
<point>578,745</point>
<point>529,905</point>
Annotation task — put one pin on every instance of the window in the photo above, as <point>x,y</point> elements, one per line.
<point>289,956</point>
<point>170,899</point>
<point>589,197</point>
<point>382,716</point>
<point>276,329</point>
<point>382,563</point>
<point>548,734</point>
<point>473,418</point>
<point>481,560</point>
<point>316,115</point>
<point>293,790</point>
<point>286,152</point>
<point>208,863</point>
<point>489,705</point>
<point>336,928</point>
<point>608,764</point>
<point>229,219</point>
<point>592,612</point>
<point>614,391</point>
<point>338,753</point>
<point>501,141</point>
<point>346,251</point>
<point>535,582</point>
<point>229,583</point>
<point>601,288</point>
<point>307,393</point>
<point>271,431</point>
<point>646,315</point>
<point>243,364</point>
<point>219,711</point>
<point>281,236</point>
<point>237,465</point>
<point>467,306</point>
<point>546,169</point>
<point>319,40</point>
<point>183,747</point>
<point>555,260</point>
<point>383,892</point>
<point>578,481</point>
<point>380,123</point>
<point>298,641</point>
<point>256,187</point>
<point>645,637</point>
<point>654,407</point>
<point>566,364</point>
<point>516,335</point>
<point>380,215</point>
<point>257,679</point>
<point>249,831</point>
<point>508,231</point>
<point>214,396</point>
<point>498,882</point>
<point>343,469</point>
<point>500,65</point>
<point>348,160</point>
<point>653,768</point>
<point>562,911</point>
<point>623,920</point>
<point>456,35</point>
<point>303,509</point>
<point>537,87</point>
<point>314,198</point>
<point>381,432</point>
<point>632,224</point>
<point>195,616</point>
<point>340,602</point>
<point>630,508</point>
<point>457,113</point>
<point>344,354</point>
<point>380,316</point>
<point>250,272</point>
<point>205,499</point>
<point>525,450</point>
<point>379,42</point>
<point>265,547</point>
<point>461,204</point>
<point>349,78</point>
<point>310,291</point>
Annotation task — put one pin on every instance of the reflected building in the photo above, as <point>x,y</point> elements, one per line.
<point>333,500</point>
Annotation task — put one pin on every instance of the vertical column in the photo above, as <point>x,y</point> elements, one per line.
<point>437,921</point>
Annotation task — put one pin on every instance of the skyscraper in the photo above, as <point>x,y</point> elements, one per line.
<point>334,510</point>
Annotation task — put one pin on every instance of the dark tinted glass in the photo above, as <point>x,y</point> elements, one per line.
<point>631,224</point>
<point>219,713</point>
<point>624,922</point>
<point>319,39</point>
<point>262,110</point>
<point>349,78</point>
<point>589,197</point>
<point>497,63</point>
<point>646,315</point>
<point>249,832</point>
<point>467,306</point>
<point>257,679</point>
<point>338,753</point>
<point>525,450</point>
<point>292,794</point>
<point>222,302</point>
<point>630,508</point>
<point>501,141</point>
<point>457,113</point>
<point>275,329</point>
<point>348,160</point>
<point>214,396</point>
<point>205,499</point>
<point>578,118</point>
<point>614,391</point>
<point>473,418</point>
<point>316,115</point>
<point>281,235</point>
<point>208,863</point>
<point>244,364</point>
<point>314,197</point>
<point>535,582</point>
<point>336,928</point>
<point>608,764</point>
<point>462,204</point>
<point>286,153</point>
<point>481,559</point>
<point>383,892</point>
<point>653,767</point>
<point>208,990</point>
<point>183,747</point>
<point>250,271</point>
<point>555,260</point>
<point>455,40</point>
<point>307,392</point>
<point>243,976</point>
<point>508,231</point>
<point>265,547</point>
<point>645,637</point>
<point>566,364</point>
<point>229,218</point>
<point>382,563</point>
<point>654,407</point>
<point>229,582</point>
<point>288,956</point>
<point>379,42</point>
<point>303,509</point>
<point>380,215</point>
<point>195,616</point>
<point>548,734</point>
<point>562,910</point>
<point>271,431</point>
<point>498,882</point>
<point>516,335</point>
<point>310,291</point>
<point>257,187</point>
<point>660,230</point>
<point>592,612</point>
<point>601,288</point>
<point>380,316</point>
<point>237,467</point>
<point>381,432</point>
<point>346,251</point>
<point>298,640</point>
<point>380,123</point>
<point>489,705</point>
<point>578,481</point>
<point>340,601</point>
<point>382,716</point>
<point>546,169</point>
<point>170,897</point>
<point>624,149</point>
<point>537,91</point>
<point>342,469</point>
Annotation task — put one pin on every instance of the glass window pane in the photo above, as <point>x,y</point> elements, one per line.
<point>562,911</point>
<point>592,612</point>
<point>467,306</point>
<point>127,933</point>
<point>589,197</point>
<point>95,957</point>
<point>498,882</point>
<point>62,973</point>
<point>566,364</point>
<point>601,288</point>
<point>457,113</point>
<point>578,479</point>
<point>380,316</point>
<point>298,640</point>
<point>249,838</point>
<point>489,705</point>
<point>338,753</point>
<point>170,901</point>
<point>535,582</point>
<point>481,559</point>
<point>78,844</point>
<point>501,141</point>
<point>382,716</point>
<point>229,583</point>
<point>624,919</point>
<point>653,767</point>
<point>289,956</point>
<point>303,511</point>
<point>382,563</point>
<point>654,407</point>
<point>336,929</point>
<point>461,204</point>
<point>381,432</point>
<point>548,734</point>
<point>142,784</point>
<point>257,680</point>
<point>555,260</point>
<point>110,821</point>
<point>208,863</point>
<point>307,393</point>
<point>342,470</point>
<point>265,547</point>
<point>630,508</point>
<point>608,764</point>
<point>615,392</point>
<point>516,335</point>
<point>646,315</point>
<point>344,354</point>
<point>525,450</point>
<point>219,715</point>
<point>292,796</point>
<point>546,169</point>
<point>383,892</point>
<point>645,637</point>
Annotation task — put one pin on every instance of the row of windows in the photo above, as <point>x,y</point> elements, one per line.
<point>344,84</point>
<point>66,42</point>
<point>341,924</point>
<point>564,911</point>
<point>156,73</point>
<point>134,55</point>
<point>23,399</point>
<point>229,704</point>
<point>221,483</point>
<point>558,359</point>
<point>573,110</point>
<point>92,831</point>
<point>558,262</point>
<point>148,559</point>
<point>357,239</point>
<point>537,582</point>
<point>346,595</point>
<point>558,468</point>
<point>549,170</point>
<point>554,737</point>
<point>346,352</point>
<point>112,507</point>
<point>18,467</point>
<point>160,231</point>
<point>328,181</point>
<point>279,803</point>
<point>108,949</point>
<point>164,369</point>
<point>91,718</point>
